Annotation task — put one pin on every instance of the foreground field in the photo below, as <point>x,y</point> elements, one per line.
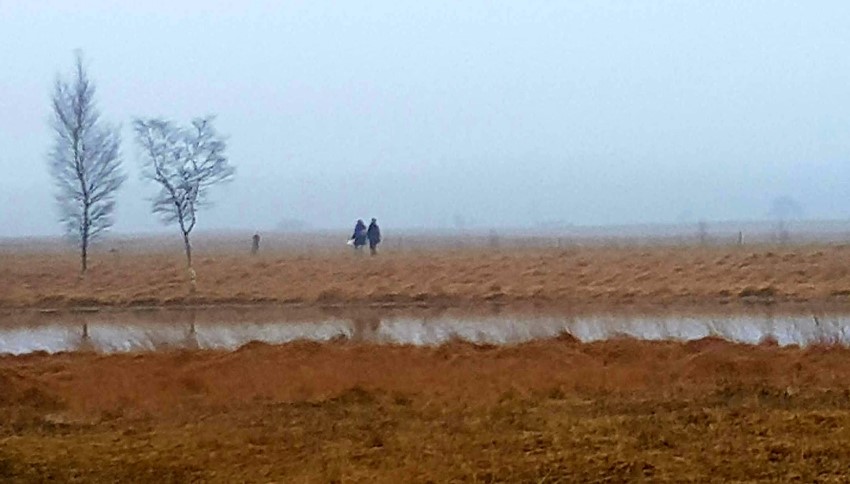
<point>555,411</point>
<point>547,411</point>
<point>595,277</point>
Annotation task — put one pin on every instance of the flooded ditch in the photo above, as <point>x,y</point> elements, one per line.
<point>153,330</point>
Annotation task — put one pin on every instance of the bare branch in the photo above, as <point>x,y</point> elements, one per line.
<point>185,162</point>
<point>85,160</point>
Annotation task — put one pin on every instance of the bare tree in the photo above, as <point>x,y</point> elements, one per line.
<point>185,162</point>
<point>85,161</point>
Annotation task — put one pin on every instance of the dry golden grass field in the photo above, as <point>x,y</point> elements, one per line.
<point>554,411</point>
<point>594,277</point>
<point>547,411</point>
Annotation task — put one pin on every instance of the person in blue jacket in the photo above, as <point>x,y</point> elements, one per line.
<point>359,236</point>
<point>373,233</point>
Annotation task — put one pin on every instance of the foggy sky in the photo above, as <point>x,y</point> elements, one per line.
<point>502,114</point>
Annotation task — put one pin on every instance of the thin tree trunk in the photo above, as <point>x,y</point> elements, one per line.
<point>84,244</point>
<point>193,283</point>
<point>188,246</point>
<point>84,256</point>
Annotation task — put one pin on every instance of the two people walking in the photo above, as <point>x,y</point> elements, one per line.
<point>363,234</point>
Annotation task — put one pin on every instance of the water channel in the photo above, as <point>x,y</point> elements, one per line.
<point>228,329</point>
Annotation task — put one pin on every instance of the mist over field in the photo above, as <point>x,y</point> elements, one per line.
<point>613,241</point>
<point>450,115</point>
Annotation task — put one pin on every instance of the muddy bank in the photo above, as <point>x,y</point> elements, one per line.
<point>306,370</point>
<point>543,411</point>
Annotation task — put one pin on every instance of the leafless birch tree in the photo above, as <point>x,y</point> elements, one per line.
<point>185,162</point>
<point>85,161</point>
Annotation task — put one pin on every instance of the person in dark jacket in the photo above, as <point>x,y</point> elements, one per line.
<point>373,233</point>
<point>255,244</point>
<point>359,236</point>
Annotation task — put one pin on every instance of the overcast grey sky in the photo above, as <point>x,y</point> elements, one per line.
<point>502,113</point>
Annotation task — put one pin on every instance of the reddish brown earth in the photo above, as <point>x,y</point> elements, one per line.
<point>554,411</point>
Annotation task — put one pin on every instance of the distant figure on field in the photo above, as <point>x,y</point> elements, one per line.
<point>373,233</point>
<point>359,236</point>
<point>255,244</point>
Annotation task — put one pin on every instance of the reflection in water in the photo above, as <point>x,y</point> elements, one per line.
<point>365,327</point>
<point>112,333</point>
<point>190,342</point>
<point>85,340</point>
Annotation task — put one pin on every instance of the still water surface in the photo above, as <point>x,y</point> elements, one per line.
<point>158,330</point>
